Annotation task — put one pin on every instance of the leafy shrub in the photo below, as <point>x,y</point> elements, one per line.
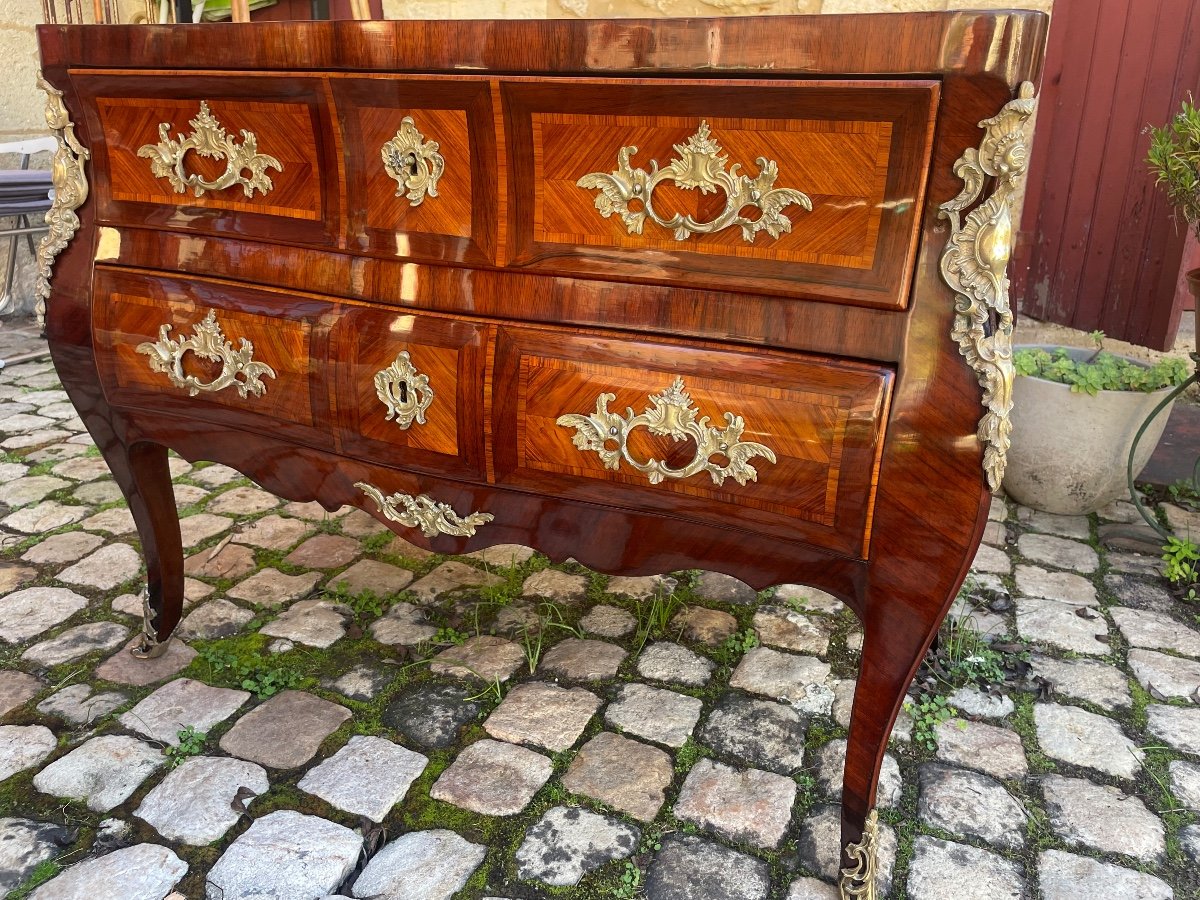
<point>1101,372</point>
<point>1174,159</point>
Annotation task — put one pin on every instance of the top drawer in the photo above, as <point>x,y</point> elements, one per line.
<point>808,189</point>
<point>246,155</point>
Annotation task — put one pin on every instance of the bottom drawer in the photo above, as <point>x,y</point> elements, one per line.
<point>768,441</point>
<point>212,349</point>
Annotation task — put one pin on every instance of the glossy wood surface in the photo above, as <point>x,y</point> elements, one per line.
<point>930,503</point>
<point>859,151</point>
<point>460,224</point>
<point>449,352</point>
<point>289,117</point>
<point>821,420</point>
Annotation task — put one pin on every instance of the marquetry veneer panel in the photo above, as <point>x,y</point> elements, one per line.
<point>858,151</point>
<point>290,121</point>
<point>131,308</point>
<point>449,353</point>
<point>823,421</point>
<point>459,224</point>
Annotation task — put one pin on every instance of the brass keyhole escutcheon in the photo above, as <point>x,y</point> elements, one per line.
<point>405,404</point>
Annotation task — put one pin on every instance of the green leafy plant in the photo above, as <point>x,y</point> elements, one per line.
<point>261,678</point>
<point>630,884</point>
<point>736,646</point>
<point>1181,557</point>
<point>448,635</point>
<point>1174,160</point>
<point>191,743</point>
<point>1099,372</point>
<point>928,712</point>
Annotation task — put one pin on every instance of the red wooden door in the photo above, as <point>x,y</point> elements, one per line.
<point>1099,249</point>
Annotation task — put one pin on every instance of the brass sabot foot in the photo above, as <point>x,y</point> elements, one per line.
<point>857,882</point>
<point>149,647</point>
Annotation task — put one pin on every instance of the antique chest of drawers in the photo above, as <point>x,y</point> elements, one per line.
<point>651,294</point>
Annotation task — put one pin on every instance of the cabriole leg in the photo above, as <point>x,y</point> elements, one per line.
<point>144,477</point>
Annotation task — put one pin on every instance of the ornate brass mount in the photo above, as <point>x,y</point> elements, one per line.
<point>858,881</point>
<point>414,162</point>
<point>209,139</point>
<point>975,265</point>
<point>671,414</point>
<point>70,191</point>
<point>238,367</point>
<point>421,511</point>
<point>404,391</point>
<point>149,646</point>
<point>700,166</point>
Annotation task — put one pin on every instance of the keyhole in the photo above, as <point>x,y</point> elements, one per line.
<point>404,392</point>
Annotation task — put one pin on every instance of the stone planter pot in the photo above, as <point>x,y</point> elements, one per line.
<point>1070,450</point>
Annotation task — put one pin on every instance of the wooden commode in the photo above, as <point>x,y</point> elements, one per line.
<point>652,294</point>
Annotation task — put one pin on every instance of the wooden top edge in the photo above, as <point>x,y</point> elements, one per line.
<point>1004,43</point>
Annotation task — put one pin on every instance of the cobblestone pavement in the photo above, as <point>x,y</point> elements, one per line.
<point>349,715</point>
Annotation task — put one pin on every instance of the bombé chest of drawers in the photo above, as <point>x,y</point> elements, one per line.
<point>651,294</point>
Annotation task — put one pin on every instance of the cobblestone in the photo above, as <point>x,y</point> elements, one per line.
<point>544,715</point>
<point>991,749</point>
<point>124,668</point>
<point>17,689</point>
<point>567,843</point>
<point>779,627</point>
<point>62,548</point>
<point>583,660</point>
<point>689,868</point>
<point>944,870</point>
<point>194,803</point>
<point>286,731</point>
<point>76,642</point>
<point>1065,876</point>
<point>146,871</point>
<point>179,704</point>
<point>420,865</point>
<point>450,576</point>
<point>493,778</point>
<point>79,706</point>
<point>27,613</point>
<point>367,777</point>
<point>103,772</point>
<point>316,623</point>
<point>1103,818</point>
<point>799,680</point>
<point>1061,625</point>
<point>23,747</point>
<point>486,658</point>
<point>970,805</point>
<point>629,776</point>
<point>673,663</point>
<point>215,619</point>
<point>270,587</point>
<point>830,762</point>
<point>24,844</point>
<point>747,806</point>
<point>1178,727</point>
<point>283,856</point>
<point>762,733</point>
<point>1166,677</point>
<point>1085,739</point>
<point>1085,679</point>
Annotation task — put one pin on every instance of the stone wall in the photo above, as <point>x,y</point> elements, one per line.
<point>21,103</point>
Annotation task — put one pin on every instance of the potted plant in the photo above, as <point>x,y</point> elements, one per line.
<point>1174,159</point>
<point>1075,415</point>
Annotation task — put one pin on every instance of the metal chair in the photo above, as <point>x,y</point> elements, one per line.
<point>24,192</point>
